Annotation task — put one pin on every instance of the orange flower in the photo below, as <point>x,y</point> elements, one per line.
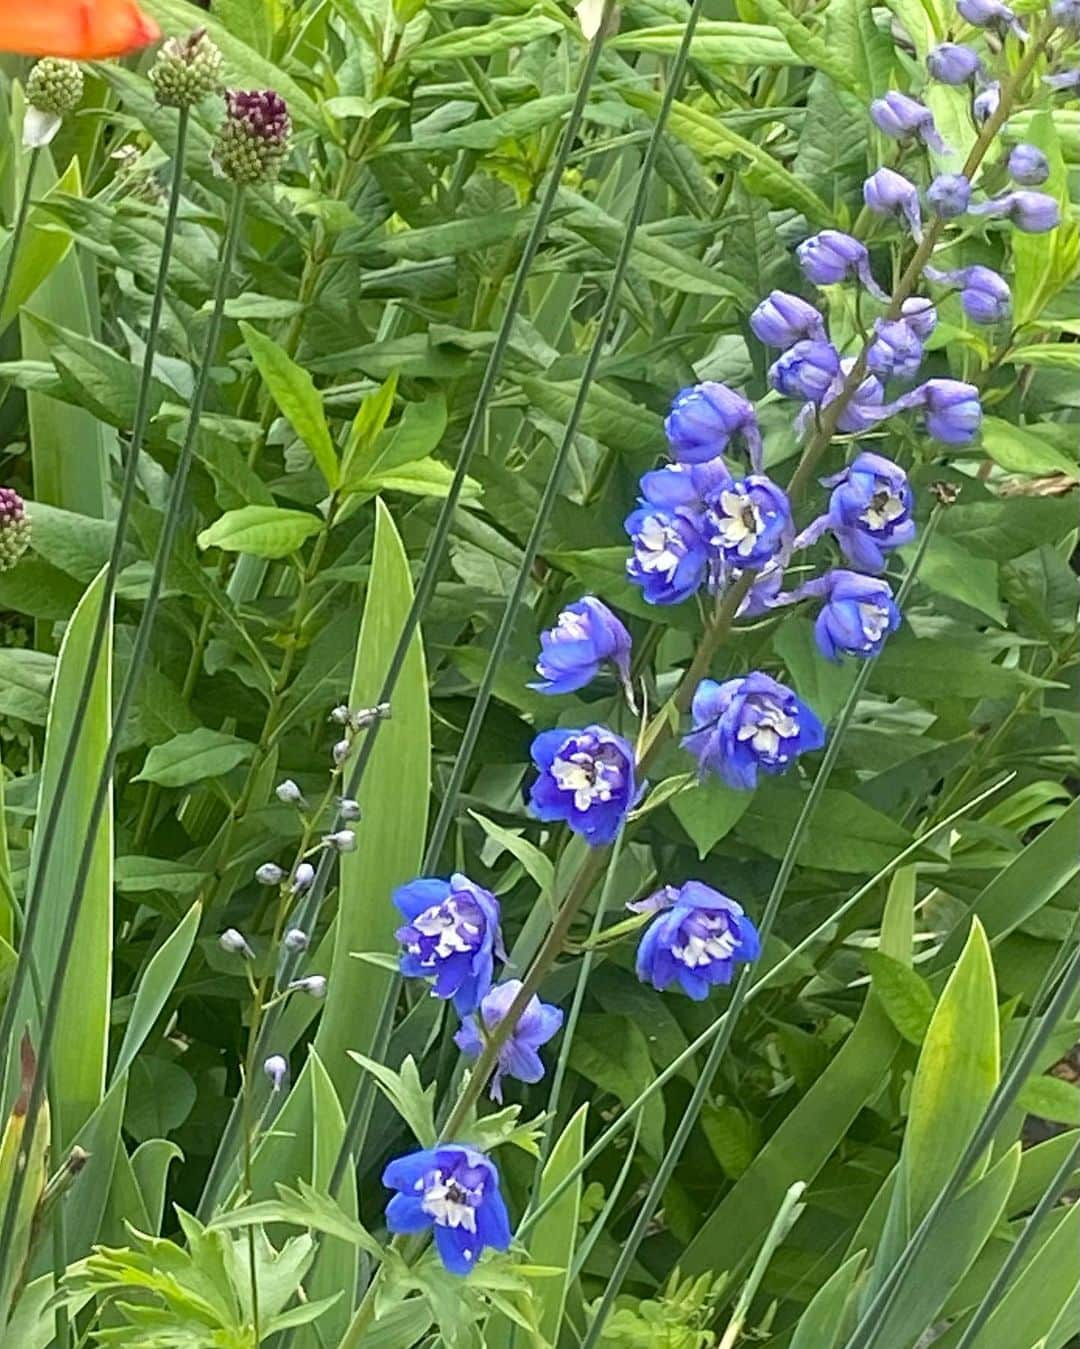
<point>80,29</point>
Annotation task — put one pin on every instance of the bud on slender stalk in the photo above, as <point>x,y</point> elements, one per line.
<point>344,840</point>
<point>269,874</point>
<point>302,877</point>
<point>234,943</point>
<point>348,809</point>
<point>276,1069</point>
<point>187,70</point>
<point>54,89</point>
<point>295,940</point>
<point>314,985</point>
<point>288,793</point>
<point>254,138</point>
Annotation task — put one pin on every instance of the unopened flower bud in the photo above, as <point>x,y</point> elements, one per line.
<point>991,14</point>
<point>889,193</point>
<point>340,752</point>
<point>920,316</point>
<point>1028,166</point>
<point>341,714</point>
<point>953,63</point>
<point>235,944</point>
<point>368,716</point>
<point>342,841</point>
<point>269,874</point>
<point>902,117</point>
<point>895,351</point>
<point>781,320</point>
<point>349,809</point>
<point>1063,79</point>
<point>314,985</point>
<point>949,195</point>
<point>295,940</point>
<point>186,70</point>
<point>288,793</point>
<point>1031,212</point>
<point>55,86</point>
<point>984,294</point>
<point>14,528</point>
<point>276,1069</point>
<point>805,371</point>
<point>302,877</point>
<point>1066,13</point>
<point>254,138</point>
<point>831,256</point>
<point>985,104</point>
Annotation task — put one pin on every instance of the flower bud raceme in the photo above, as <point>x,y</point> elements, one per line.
<point>348,809</point>
<point>781,320</point>
<point>920,315</point>
<point>14,528</point>
<point>295,940</point>
<point>695,940</point>
<point>902,117</point>
<point>748,726</point>
<point>585,636</point>
<point>343,840</point>
<point>586,778</point>
<point>805,370</point>
<point>1031,212</point>
<point>234,943</point>
<point>858,614</point>
<point>518,1056</point>
<point>1065,79</point>
<point>288,793</point>
<point>832,256</point>
<point>896,350</point>
<point>984,295</point>
<point>985,103</point>
<point>276,1069</point>
<point>1028,166</point>
<point>269,874</point>
<point>949,195</point>
<point>186,70</point>
<point>953,63</point>
<point>54,88</point>
<point>314,985</point>
<point>706,418</point>
<point>889,193</point>
<point>870,509</point>
<point>302,877</point>
<point>991,14</point>
<point>254,138</point>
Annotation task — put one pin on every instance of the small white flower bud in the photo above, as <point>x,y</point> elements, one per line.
<point>276,1069</point>
<point>235,944</point>
<point>343,841</point>
<point>314,985</point>
<point>341,751</point>
<point>295,940</point>
<point>302,877</point>
<point>349,809</point>
<point>288,793</point>
<point>340,714</point>
<point>269,874</point>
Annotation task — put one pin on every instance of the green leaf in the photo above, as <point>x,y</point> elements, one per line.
<point>418,432</point>
<point>716,43</point>
<point>1048,356</point>
<point>413,1102</point>
<point>708,811</point>
<point>263,531</point>
<point>813,50</point>
<point>937,668</point>
<point>40,251</point>
<point>732,1136</point>
<point>138,875</point>
<point>553,1239</point>
<point>361,448</point>
<point>156,986</point>
<point>294,391</point>
<point>905,995</point>
<point>193,757</point>
<point>1022,450</point>
<point>301,1207</point>
<point>538,866</point>
<point>847,834</point>
<point>514,124</point>
<point>951,570</point>
<point>829,1311</point>
<point>819,682</point>
<point>496,35</point>
<point>1051,1098</point>
<point>611,1052</point>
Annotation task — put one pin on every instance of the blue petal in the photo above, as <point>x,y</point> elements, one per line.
<point>421,894</point>
<point>403,1172</point>
<point>493,1221</point>
<point>547,745</point>
<point>452,1244</point>
<point>405,1215</point>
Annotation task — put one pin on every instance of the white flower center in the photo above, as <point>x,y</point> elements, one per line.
<point>448,1203</point>
<point>883,509</point>
<point>660,547</point>
<point>581,774</point>
<point>454,932</point>
<point>771,727</point>
<point>874,620</point>
<point>704,949</point>
<point>570,627</point>
<point>738,522</point>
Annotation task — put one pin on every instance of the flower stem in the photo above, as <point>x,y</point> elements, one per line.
<point>19,229</point>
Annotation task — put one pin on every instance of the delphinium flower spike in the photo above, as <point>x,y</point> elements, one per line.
<point>896,351</point>
<point>806,370</point>
<point>985,103</point>
<point>920,315</point>
<point>518,1056</point>
<point>984,294</point>
<point>991,14</point>
<point>830,257</point>
<point>695,941</point>
<point>452,1191</point>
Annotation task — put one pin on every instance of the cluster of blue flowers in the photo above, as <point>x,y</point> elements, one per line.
<point>707,519</point>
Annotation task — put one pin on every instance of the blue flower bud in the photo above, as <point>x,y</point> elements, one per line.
<point>985,103</point>
<point>984,295</point>
<point>269,874</point>
<point>858,614</point>
<point>920,316</point>
<point>453,1192</point>
<point>295,940</point>
<point>1028,166</point>
<point>314,985</point>
<point>902,117</point>
<point>234,943</point>
<point>451,934</point>
<point>586,778</point>
<point>896,350</point>
<point>949,195</point>
<point>1065,79</point>
<point>953,63</point>
<point>889,193</point>
<point>832,256</point>
<point>1066,13</point>
<point>991,14</point>
<point>1031,212</point>
<point>863,410</point>
<point>706,418</point>
<point>781,320</point>
<point>302,877</point>
<point>585,636</point>
<point>276,1069</point>
<point>748,726</point>
<point>951,408</point>
<point>695,940</point>
<point>518,1056</point>
<point>805,370</point>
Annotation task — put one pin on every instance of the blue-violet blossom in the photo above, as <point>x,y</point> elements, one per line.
<point>454,1192</point>
<point>870,510</point>
<point>896,350</point>
<point>832,256</point>
<point>805,370</point>
<point>585,635</point>
<point>984,295</point>
<point>991,14</point>
<point>517,1055</point>
<point>1028,166</point>
<point>695,940</point>
<point>749,725</point>
<point>949,195</point>
<point>586,778</point>
<point>670,557</point>
<point>887,192</point>
<point>451,934</point>
<point>782,319</point>
<point>951,408</point>
<point>1066,13</point>
<point>900,116</point>
<point>1031,212</point>
<point>706,418</point>
<point>920,315</point>
<point>858,614</point>
<point>953,63</point>
<point>749,522</point>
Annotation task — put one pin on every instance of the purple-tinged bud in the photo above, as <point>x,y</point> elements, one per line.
<point>234,943</point>
<point>344,840</point>
<point>805,371</point>
<point>302,878</point>
<point>832,256</point>
<point>1065,79</point>
<point>269,874</point>
<point>858,615</point>
<point>276,1069</point>
<point>1028,166</point>
<point>340,752</point>
<point>953,63</point>
<point>782,319</point>
<point>902,117</point>
<point>706,418</point>
<point>288,793</point>
<point>949,195</point>
<point>920,316</point>
<point>985,103</point>
<point>889,193</point>
<point>186,70</point>
<point>1066,13</point>
<point>984,295</point>
<point>314,985</point>
<point>991,14</point>
<point>295,940</point>
<point>895,351</point>
<point>348,809</point>
<point>14,528</point>
<point>952,409</point>
<point>253,140</point>
<point>1031,212</point>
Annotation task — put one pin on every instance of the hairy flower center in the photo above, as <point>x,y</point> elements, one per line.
<point>874,620</point>
<point>737,522</point>
<point>451,928</point>
<point>660,547</point>
<point>449,1202</point>
<point>767,726</point>
<point>592,777</point>
<point>884,508</point>
<point>571,627</point>
<point>705,937</point>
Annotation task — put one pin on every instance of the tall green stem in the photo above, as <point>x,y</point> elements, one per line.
<point>140,647</point>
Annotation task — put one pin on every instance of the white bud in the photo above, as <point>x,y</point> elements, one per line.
<point>341,751</point>
<point>276,1069</point>
<point>349,809</point>
<point>269,874</point>
<point>343,841</point>
<point>340,714</point>
<point>288,793</point>
<point>235,944</point>
<point>302,877</point>
<point>295,940</point>
<point>314,985</point>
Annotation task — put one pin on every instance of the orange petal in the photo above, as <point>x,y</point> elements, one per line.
<point>84,30</point>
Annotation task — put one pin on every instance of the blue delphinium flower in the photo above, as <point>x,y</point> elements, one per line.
<point>901,117</point>
<point>1028,166</point>
<point>518,1055</point>
<point>805,370</point>
<point>454,1192</point>
<point>953,63</point>
<point>832,256</point>
<point>706,419</point>
<point>1063,80</point>
<point>858,614</point>
<point>920,315</point>
<point>452,935</point>
<point>887,192</point>
<point>951,408</point>
<point>896,351</point>
<point>984,294</point>
<point>586,634</point>
<point>586,778</point>
<point>1066,13</point>
<point>749,725</point>
<point>670,557</point>
<point>949,195</point>
<point>869,509</point>
<point>1031,212</point>
<point>782,319</point>
<point>991,14</point>
<point>695,941</point>
<point>749,522</point>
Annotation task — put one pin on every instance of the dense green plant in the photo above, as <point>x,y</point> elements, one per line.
<point>336,343</point>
